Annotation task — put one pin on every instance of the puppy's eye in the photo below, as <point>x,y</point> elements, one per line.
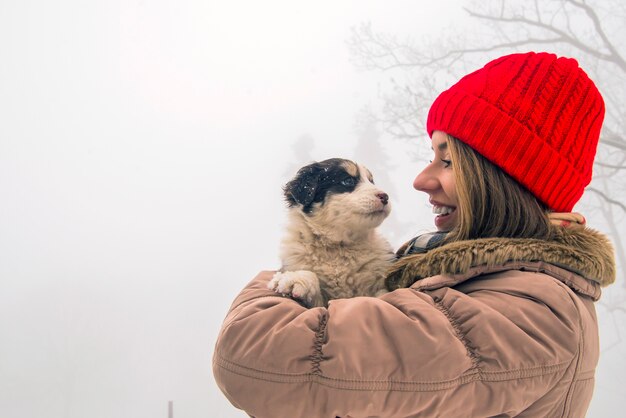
<point>348,182</point>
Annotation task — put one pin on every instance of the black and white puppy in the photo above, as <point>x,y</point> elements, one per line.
<point>331,248</point>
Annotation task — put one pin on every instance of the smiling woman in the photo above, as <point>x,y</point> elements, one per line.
<point>494,318</point>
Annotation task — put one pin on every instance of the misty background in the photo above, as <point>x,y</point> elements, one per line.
<point>143,146</point>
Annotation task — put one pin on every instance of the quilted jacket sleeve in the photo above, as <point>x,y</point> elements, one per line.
<point>408,353</point>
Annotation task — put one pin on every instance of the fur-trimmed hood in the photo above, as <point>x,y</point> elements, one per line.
<point>582,251</point>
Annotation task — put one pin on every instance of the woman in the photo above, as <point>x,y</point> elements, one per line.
<point>493,315</point>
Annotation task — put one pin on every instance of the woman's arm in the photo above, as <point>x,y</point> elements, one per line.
<point>404,354</point>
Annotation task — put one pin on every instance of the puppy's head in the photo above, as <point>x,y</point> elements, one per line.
<point>338,193</point>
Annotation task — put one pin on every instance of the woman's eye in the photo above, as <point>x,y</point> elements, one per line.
<point>348,182</point>
<point>446,163</point>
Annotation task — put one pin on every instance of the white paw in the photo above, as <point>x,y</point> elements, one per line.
<point>299,284</point>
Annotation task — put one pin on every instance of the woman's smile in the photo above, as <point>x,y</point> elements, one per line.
<point>446,217</point>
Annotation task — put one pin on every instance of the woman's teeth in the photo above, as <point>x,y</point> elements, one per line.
<point>442,210</point>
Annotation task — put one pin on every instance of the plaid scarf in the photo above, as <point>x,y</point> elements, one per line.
<point>422,243</point>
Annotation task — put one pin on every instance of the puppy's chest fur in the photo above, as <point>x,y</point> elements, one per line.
<point>344,270</point>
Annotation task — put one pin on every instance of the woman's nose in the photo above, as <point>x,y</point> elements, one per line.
<point>425,181</point>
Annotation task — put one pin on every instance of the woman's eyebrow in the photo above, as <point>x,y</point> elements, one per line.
<point>441,147</point>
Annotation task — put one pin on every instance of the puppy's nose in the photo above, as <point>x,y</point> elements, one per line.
<point>384,197</point>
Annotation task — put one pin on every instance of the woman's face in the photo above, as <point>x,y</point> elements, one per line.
<point>437,179</point>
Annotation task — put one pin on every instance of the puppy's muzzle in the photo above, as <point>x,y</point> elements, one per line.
<point>384,197</point>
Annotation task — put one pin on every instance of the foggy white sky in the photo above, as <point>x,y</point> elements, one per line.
<point>143,145</point>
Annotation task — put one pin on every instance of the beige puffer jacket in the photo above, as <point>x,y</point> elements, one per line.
<point>508,330</point>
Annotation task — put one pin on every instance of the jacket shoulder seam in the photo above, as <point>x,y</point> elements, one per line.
<point>318,342</point>
<point>460,335</point>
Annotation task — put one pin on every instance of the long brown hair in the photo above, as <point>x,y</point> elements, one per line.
<point>490,202</point>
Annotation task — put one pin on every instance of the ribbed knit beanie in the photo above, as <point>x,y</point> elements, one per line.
<point>536,116</point>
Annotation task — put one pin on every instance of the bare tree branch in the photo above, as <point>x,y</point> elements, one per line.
<point>616,167</point>
<point>563,36</point>
<point>537,11</point>
<point>607,199</point>
<point>615,56</point>
<point>611,138</point>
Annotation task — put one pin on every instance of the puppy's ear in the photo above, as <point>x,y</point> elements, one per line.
<point>302,188</point>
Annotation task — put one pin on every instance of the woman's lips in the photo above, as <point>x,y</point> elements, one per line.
<point>446,221</point>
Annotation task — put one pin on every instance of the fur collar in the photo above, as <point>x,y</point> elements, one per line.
<point>582,251</point>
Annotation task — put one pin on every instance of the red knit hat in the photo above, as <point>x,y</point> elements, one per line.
<point>536,116</point>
